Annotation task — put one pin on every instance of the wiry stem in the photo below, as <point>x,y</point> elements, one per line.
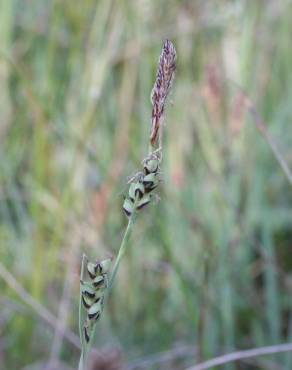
<point>240,355</point>
<point>122,250</point>
<point>82,361</point>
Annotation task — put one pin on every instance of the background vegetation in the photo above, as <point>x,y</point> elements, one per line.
<point>209,269</point>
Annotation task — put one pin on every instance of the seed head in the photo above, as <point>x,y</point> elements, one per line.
<point>162,85</point>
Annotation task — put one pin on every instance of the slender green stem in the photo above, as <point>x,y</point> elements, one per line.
<point>83,346</point>
<point>122,250</point>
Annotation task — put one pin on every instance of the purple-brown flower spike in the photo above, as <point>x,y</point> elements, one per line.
<point>162,85</point>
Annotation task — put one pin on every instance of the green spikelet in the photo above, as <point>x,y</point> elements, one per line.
<point>92,295</point>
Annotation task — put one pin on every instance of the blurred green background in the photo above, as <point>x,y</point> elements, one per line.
<point>209,268</point>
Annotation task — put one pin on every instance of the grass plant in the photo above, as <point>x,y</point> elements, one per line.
<point>142,186</point>
<point>209,268</point>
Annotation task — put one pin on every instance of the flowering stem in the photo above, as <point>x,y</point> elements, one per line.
<point>140,193</point>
